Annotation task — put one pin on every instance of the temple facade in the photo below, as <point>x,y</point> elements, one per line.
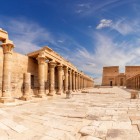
<point>130,79</point>
<point>40,73</point>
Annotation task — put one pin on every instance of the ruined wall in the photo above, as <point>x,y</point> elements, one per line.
<point>131,71</point>
<point>1,69</point>
<point>110,75</point>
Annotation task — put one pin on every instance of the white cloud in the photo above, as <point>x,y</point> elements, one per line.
<point>60,41</point>
<point>108,52</point>
<point>124,27</point>
<point>89,8</point>
<point>104,23</point>
<point>26,35</point>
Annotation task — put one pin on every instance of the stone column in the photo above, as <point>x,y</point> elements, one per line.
<point>6,82</point>
<point>66,79</point>
<point>60,79</point>
<point>73,80</point>
<point>52,65</point>
<point>70,80</point>
<point>41,74</point>
<point>76,81</point>
<point>27,86</point>
<point>81,82</point>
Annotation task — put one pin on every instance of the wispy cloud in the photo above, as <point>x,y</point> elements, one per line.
<point>107,52</point>
<point>89,7</point>
<point>124,27</point>
<point>27,35</point>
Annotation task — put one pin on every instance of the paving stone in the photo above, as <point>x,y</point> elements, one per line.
<point>118,134</point>
<point>87,130</point>
<point>121,125</point>
<point>135,119</point>
<point>83,117</point>
<point>89,138</point>
<point>16,127</point>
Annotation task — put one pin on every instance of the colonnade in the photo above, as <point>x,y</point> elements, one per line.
<point>133,82</point>
<point>73,79</point>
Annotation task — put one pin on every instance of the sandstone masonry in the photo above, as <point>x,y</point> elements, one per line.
<point>130,79</point>
<point>40,73</point>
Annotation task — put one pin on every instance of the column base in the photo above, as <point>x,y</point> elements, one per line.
<point>65,91</point>
<point>25,98</point>
<point>50,94</point>
<point>59,92</point>
<point>68,94</point>
<point>41,96</point>
<point>6,100</point>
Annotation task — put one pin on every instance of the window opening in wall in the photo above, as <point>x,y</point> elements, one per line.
<point>32,81</point>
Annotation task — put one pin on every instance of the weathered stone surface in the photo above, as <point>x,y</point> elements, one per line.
<point>87,130</point>
<point>83,117</point>
<point>89,138</point>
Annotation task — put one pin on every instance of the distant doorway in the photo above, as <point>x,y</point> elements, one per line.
<point>121,82</point>
<point>110,83</point>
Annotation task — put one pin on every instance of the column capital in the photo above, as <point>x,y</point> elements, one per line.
<point>65,68</point>
<point>59,67</point>
<point>52,64</point>
<point>7,47</point>
<point>70,70</point>
<point>76,74</point>
<point>41,58</point>
<point>73,72</point>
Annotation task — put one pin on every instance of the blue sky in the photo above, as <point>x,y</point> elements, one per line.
<point>89,33</point>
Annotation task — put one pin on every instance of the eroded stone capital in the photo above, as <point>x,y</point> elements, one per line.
<point>41,58</point>
<point>7,47</point>
<point>59,67</point>
<point>52,64</point>
<point>73,72</point>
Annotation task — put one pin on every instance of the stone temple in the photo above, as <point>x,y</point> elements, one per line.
<point>108,112</point>
<point>40,73</point>
<point>112,77</point>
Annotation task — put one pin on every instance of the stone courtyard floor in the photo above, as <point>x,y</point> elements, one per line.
<point>101,114</point>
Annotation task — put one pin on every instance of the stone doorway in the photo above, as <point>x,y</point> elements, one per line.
<point>110,83</point>
<point>121,82</point>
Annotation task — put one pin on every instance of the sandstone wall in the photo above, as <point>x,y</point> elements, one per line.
<point>110,75</point>
<point>131,71</point>
<point>21,64</point>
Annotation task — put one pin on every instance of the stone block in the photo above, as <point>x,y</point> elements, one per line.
<point>134,94</point>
